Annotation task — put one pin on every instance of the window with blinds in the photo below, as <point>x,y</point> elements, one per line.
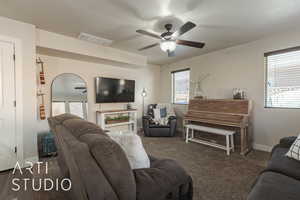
<point>283,79</point>
<point>180,86</point>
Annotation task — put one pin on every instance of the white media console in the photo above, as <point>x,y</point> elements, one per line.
<point>108,119</point>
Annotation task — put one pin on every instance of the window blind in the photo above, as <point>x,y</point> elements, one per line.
<point>180,86</point>
<point>283,79</point>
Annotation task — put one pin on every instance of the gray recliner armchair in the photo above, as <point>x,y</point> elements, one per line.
<point>153,129</point>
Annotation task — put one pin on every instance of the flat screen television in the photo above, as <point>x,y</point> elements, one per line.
<point>110,90</point>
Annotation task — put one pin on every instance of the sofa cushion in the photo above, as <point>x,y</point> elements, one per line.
<point>287,142</point>
<point>60,139</point>
<point>134,149</point>
<point>96,185</point>
<point>280,163</point>
<point>79,127</point>
<point>275,186</point>
<point>69,145</point>
<point>165,177</point>
<point>114,164</point>
<point>59,119</point>
<point>158,126</point>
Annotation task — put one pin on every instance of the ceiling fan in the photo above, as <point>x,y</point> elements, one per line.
<point>84,90</point>
<point>169,40</point>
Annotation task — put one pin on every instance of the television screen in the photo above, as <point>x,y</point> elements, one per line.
<point>110,90</point>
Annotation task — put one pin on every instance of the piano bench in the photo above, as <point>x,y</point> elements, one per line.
<point>227,133</point>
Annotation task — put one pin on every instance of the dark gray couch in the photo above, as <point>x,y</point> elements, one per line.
<point>281,179</point>
<point>99,169</point>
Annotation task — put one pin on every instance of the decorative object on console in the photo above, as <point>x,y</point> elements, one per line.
<point>157,123</point>
<point>239,93</point>
<point>294,151</point>
<point>144,94</point>
<point>197,87</point>
<point>119,119</point>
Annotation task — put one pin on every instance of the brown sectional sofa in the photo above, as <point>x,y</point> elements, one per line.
<point>99,169</point>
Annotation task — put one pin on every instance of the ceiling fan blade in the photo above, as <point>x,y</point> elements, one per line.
<point>149,34</point>
<point>183,29</point>
<point>148,47</point>
<point>190,43</point>
<point>79,88</point>
<point>171,54</point>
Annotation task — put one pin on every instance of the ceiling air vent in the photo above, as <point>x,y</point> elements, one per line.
<point>94,39</point>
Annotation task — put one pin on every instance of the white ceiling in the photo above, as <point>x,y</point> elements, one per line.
<point>221,23</point>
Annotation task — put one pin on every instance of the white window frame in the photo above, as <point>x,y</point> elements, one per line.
<point>83,104</point>
<point>173,87</point>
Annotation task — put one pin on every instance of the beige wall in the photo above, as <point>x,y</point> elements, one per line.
<point>24,37</point>
<point>65,44</point>
<point>242,67</point>
<point>148,77</point>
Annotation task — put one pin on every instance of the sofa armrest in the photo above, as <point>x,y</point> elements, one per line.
<point>152,159</point>
<point>172,123</point>
<point>164,177</point>
<point>146,124</point>
<point>287,142</point>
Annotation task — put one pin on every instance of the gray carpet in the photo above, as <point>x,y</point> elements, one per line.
<point>215,175</point>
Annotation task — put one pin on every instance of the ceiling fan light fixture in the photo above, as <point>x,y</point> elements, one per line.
<point>168,45</point>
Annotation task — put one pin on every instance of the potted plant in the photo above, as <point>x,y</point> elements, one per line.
<point>118,119</point>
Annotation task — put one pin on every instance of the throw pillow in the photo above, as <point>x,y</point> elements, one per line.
<point>163,112</point>
<point>156,112</point>
<point>294,151</point>
<point>170,110</point>
<point>133,148</point>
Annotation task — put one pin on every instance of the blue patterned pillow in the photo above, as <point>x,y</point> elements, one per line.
<point>163,112</point>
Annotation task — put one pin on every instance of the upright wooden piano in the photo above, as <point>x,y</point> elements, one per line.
<point>234,114</point>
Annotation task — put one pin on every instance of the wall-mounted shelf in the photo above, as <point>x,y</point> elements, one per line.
<point>131,123</point>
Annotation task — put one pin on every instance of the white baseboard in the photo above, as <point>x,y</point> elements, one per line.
<point>262,147</point>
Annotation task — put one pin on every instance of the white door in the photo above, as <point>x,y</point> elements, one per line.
<point>8,155</point>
